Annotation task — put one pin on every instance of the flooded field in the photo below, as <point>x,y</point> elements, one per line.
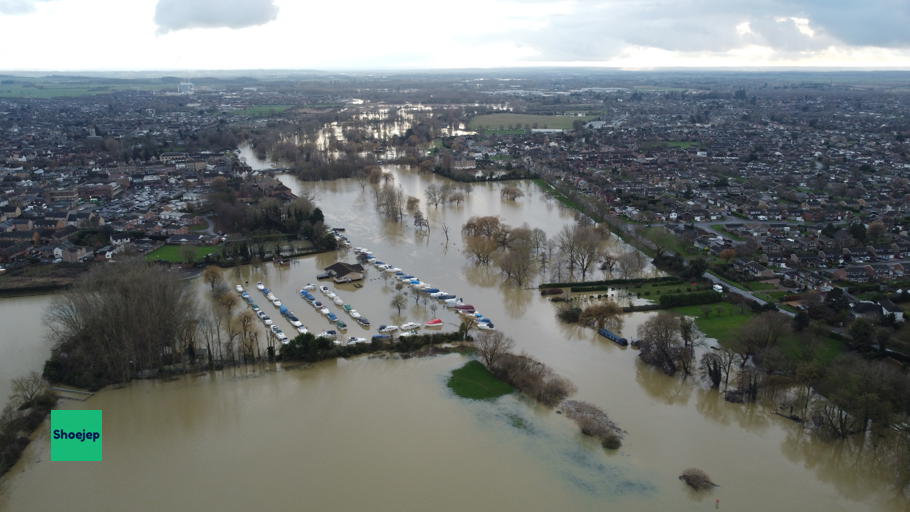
<point>387,434</point>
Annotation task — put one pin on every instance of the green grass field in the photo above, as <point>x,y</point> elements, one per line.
<point>681,144</point>
<point>263,110</point>
<point>668,241</point>
<point>722,324</point>
<point>175,253</point>
<point>720,228</point>
<point>559,196</point>
<point>725,321</point>
<point>42,90</point>
<point>473,380</point>
<point>655,290</point>
<point>525,121</point>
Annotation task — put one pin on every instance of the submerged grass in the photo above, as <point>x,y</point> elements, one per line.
<point>474,381</point>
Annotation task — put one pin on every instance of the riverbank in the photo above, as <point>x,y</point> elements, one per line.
<point>37,279</point>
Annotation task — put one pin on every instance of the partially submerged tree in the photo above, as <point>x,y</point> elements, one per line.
<point>117,322</point>
<point>601,314</point>
<point>492,346</point>
<point>697,479</point>
<point>399,301</point>
<point>661,344</point>
<point>213,276</point>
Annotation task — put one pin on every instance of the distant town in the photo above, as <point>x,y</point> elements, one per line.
<point>797,182</point>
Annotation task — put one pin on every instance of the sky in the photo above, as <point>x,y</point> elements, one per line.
<point>135,35</point>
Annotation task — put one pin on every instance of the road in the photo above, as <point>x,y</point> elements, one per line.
<point>739,291</point>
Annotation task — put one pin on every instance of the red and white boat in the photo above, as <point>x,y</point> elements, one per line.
<point>434,323</point>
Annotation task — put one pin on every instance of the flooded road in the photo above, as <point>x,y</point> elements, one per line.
<point>387,434</point>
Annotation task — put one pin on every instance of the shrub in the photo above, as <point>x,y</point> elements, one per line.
<point>594,422</point>
<point>697,479</point>
<point>690,299</point>
<point>612,442</point>
<point>569,314</point>
<point>533,378</point>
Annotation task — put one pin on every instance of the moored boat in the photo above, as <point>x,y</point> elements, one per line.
<point>436,322</point>
<point>260,286</point>
<point>409,326</point>
<point>238,288</point>
<point>388,328</point>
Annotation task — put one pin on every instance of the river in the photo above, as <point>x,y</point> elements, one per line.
<point>387,434</point>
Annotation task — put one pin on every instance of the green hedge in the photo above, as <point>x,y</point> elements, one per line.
<point>307,347</point>
<point>690,299</point>
<point>608,282</point>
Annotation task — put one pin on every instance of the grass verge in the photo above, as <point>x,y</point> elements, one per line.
<point>178,253</point>
<point>474,381</point>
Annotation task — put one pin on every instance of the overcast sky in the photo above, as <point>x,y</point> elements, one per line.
<point>410,34</point>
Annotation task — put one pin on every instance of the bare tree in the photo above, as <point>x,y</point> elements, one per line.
<point>399,301</point>
<point>660,342</point>
<point>511,192</point>
<point>599,315</point>
<point>631,263</point>
<point>433,195</point>
<point>119,320</point>
<point>213,276</point>
<point>26,389</point>
<point>491,345</point>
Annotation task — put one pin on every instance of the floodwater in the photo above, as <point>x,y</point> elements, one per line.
<point>23,345</point>
<point>388,435</point>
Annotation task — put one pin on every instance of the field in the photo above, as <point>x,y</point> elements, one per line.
<point>513,122</point>
<point>725,321</point>
<point>41,89</point>
<point>681,144</point>
<point>655,290</point>
<point>176,253</point>
<point>473,380</point>
<point>668,241</point>
<point>562,198</point>
<point>722,229</point>
<point>263,110</point>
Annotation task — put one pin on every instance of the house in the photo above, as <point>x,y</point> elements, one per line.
<point>345,272</point>
<point>868,310</point>
<point>69,252</point>
<point>891,308</point>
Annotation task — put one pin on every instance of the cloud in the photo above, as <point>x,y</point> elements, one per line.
<point>601,29</point>
<point>18,6</point>
<point>173,15</point>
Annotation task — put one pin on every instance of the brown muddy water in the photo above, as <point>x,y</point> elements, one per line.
<point>384,434</point>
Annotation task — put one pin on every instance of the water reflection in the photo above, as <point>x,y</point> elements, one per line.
<point>669,391</point>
